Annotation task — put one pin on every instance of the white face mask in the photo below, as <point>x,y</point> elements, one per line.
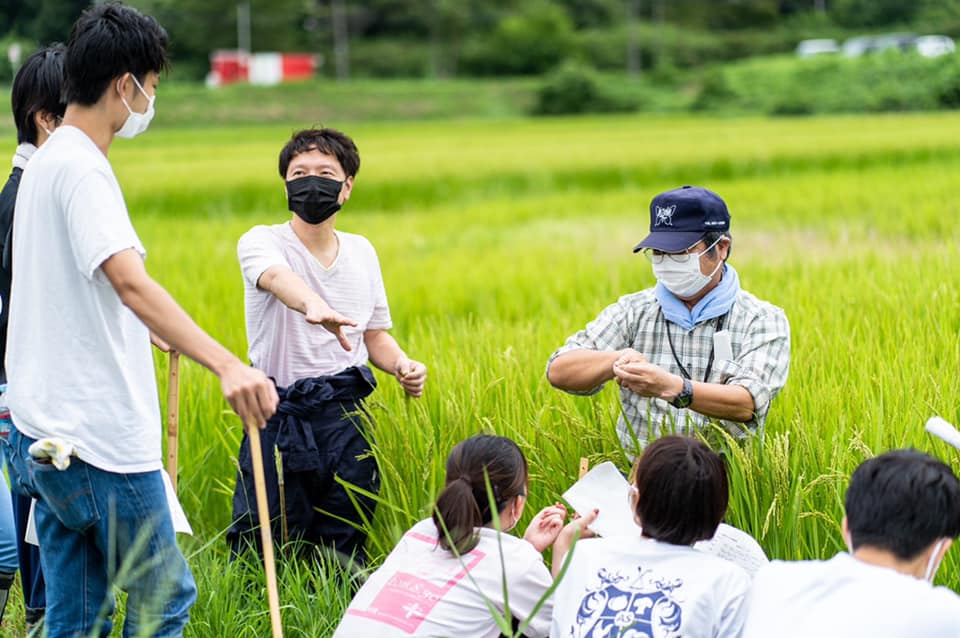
<point>933,564</point>
<point>136,123</point>
<point>684,279</point>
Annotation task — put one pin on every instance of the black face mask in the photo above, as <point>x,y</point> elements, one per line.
<point>312,198</point>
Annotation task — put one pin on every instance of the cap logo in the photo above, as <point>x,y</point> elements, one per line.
<point>665,215</point>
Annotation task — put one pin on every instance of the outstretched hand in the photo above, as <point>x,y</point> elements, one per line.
<point>546,526</point>
<point>331,321</point>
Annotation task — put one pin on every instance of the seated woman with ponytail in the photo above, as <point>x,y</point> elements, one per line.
<point>445,571</point>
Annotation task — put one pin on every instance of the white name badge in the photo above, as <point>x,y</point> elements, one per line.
<point>722,348</point>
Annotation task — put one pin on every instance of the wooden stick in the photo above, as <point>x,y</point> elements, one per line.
<point>584,466</point>
<point>173,416</point>
<point>260,487</point>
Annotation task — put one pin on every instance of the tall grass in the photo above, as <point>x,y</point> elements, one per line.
<point>498,239</point>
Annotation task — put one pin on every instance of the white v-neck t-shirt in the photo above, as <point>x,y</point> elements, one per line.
<point>846,597</point>
<point>79,362</point>
<point>424,590</point>
<point>281,343</point>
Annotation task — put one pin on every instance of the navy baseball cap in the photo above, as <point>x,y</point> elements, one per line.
<point>681,217</point>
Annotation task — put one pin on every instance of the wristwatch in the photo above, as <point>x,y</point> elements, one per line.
<point>685,398</point>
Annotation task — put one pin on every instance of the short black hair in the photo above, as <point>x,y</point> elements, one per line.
<point>682,490</point>
<point>325,140</point>
<point>106,41</point>
<point>714,236</point>
<point>38,86</point>
<point>901,502</point>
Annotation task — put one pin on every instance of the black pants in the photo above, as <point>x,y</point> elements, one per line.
<point>315,502</point>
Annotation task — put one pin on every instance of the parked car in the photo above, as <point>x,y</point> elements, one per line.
<point>898,41</point>
<point>810,48</point>
<point>855,47</point>
<point>932,46</point>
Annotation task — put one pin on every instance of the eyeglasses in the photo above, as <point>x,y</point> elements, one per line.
<point>657,256</point>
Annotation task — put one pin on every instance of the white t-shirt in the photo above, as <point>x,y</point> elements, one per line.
<point>424,590</point>
<point>281,342</point>
<point>78,360</point>
<point>846,597</point>
<point>631,586</point>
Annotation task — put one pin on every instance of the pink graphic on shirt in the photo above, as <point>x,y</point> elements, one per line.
<point>406,599</point>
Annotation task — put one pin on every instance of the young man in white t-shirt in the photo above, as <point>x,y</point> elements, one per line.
<point>654,583</point>
<point>902,515</point>
<point>316,312</point>
<point>82,381</point>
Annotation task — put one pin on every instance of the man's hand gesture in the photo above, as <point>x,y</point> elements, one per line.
<point>638,375</point>
<point>321,314</point>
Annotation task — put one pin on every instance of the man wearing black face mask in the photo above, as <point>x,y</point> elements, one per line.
<point>316,312</point>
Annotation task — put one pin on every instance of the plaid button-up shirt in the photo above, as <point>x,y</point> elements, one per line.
<point>760,340</point>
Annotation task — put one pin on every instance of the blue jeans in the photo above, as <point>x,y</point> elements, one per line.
<point>97,530</point>
<point>8,528</point>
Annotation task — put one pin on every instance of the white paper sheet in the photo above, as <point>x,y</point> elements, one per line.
<point>606,488</point>
<point>180,523</point>
<point>30,535</point>
<point>722,347</point>
<point>736,546</point>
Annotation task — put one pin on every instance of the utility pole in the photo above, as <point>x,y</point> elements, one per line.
<point>243,26</point>
<point>341,42</point>
<point>820,6</point>
<point>634,55</point>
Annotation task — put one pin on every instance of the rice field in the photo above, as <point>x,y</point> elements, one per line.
<point>499,238</point>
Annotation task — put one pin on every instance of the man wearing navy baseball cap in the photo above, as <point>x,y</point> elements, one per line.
<point>694,349</point>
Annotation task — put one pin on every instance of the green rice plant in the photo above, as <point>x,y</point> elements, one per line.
<point>498,239</point>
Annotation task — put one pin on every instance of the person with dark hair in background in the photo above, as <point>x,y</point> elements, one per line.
<point>902,515</point>
<point>86,436</point>
<point>693,349</point>
<point>655,583</point>
<point>38,107</point>
<point>445,570</point>
<point>317,314</point>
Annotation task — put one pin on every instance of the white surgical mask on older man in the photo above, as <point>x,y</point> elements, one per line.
<point>683,278</point>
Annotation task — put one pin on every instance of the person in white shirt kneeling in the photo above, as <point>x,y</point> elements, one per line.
<point>902,514</point>
<point>446,572</point>
<point>654,583</point>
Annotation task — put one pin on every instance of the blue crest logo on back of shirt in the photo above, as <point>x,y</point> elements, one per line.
<point>624,607</point>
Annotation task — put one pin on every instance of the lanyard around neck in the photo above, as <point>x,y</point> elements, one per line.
<point>673,351</point>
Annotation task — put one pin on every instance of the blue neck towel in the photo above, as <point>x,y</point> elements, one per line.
<point>716,303</point>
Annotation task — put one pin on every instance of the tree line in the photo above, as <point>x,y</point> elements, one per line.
<point>491,37</point>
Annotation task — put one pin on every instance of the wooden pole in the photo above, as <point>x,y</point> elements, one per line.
<point>173,416</point>
<point>260,487</point>
<point>584,466</point>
